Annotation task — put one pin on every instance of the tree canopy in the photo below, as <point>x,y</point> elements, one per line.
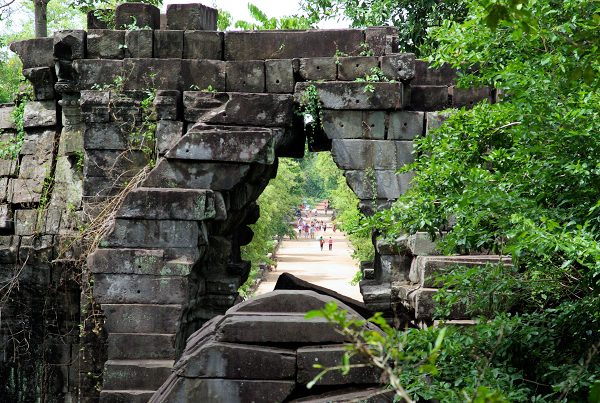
<point>519,177</point>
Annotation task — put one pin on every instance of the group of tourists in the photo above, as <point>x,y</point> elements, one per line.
<point>308,229</point>
<point>308,226</point>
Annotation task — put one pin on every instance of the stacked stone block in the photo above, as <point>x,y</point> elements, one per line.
<point>40,309</point>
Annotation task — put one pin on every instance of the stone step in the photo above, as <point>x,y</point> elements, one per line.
<point>139,374</point>
<point>133,346</point>
<point>141,318</point>
<point>424,269</point>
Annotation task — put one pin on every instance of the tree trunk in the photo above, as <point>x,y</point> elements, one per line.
<point>40,18</point>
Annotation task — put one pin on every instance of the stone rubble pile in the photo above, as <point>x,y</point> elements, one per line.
<point>264,350</point>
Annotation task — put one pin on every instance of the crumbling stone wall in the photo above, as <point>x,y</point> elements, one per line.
<point>166,221</point>
<point>40,211</point>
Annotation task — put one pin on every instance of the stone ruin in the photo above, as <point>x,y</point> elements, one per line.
<point>265,350</point>
<point>170,213</point>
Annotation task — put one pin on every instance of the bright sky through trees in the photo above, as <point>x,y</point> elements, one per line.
<point>272,8</point>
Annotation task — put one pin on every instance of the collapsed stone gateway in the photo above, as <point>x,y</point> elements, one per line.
<point>222,115</point>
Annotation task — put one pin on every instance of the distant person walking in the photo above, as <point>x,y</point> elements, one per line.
<point>321,242</point>
<point>330,243</point>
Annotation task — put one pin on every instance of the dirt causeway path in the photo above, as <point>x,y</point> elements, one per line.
<point>304,259</point>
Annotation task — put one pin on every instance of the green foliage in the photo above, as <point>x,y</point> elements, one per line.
<point>276,204</point>
<point>311,108</point>
<point>510,358</point>
<point>412,17</point>
<point>374,76</point>
<point>263,22</point>
<point>519,177</point>
<point>60,17</point>
<point>11,148</point>
<point>224,20</point>
<point>144,135</point>
<point>10,76</point>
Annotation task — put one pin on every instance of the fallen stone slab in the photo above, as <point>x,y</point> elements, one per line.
<point>191,390</point>
<point>288,301</point>
<point>369,395</point>
<point>287,281</point>
<point>237,361</point>
<point>273,328</point>
<point>377,295</point>
<point>329,357</point>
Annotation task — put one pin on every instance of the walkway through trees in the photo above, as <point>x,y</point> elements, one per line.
<point>304,259</point>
